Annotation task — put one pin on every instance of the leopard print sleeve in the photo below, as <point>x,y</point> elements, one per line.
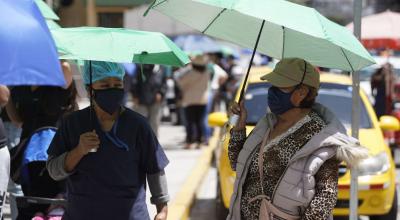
<point>326,189</point>
<point>236,143</point>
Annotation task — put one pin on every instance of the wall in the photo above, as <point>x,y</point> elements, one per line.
<point>154,21</point>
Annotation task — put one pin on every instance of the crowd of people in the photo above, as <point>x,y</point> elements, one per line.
<point>190,93</point>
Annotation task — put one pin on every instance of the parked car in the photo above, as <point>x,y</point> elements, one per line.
<point>377,191</point>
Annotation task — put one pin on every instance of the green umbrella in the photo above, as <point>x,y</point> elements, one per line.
<point>52,24</point>
<point>46,11</point>
<point>277,28</point>
<point>289,30</point>
<point>118,45</point>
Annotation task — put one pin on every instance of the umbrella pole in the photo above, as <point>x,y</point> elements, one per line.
<point>242,91</point>
<point>355,115</point>
<point>91,95</point>
<point>91,110</point>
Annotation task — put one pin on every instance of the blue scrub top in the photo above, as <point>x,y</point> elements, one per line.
<point>110,183</point>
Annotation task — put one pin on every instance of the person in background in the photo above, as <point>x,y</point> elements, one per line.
<point>171,96</point>
<point>215,96</point>
<point>33,107</point>
<point>130,71</point>
<point>194,86</point>
<point>4,154</point>
<point>106,153</point>
<point>148,90</point>
<point>178,73</point>
<point>219,77</point>
<point>228,87</point>
<point>382,87</point>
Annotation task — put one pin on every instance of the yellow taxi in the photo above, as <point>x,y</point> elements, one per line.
<point>377,190</point>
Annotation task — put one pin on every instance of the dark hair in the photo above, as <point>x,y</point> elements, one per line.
<point>309,100</point>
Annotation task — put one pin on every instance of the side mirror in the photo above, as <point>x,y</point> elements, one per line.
<point>217,119</point>
<point>389,123</point>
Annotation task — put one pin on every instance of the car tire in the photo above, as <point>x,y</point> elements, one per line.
<point>221,211</point>
<point>391,215</point>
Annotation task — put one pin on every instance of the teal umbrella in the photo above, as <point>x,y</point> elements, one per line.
<point>117,45</point>
<point>277,28</point>
<point>288,29</point>
<point>52,24</point>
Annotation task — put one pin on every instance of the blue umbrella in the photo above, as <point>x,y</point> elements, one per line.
<point>197,44</point>
<point>27,50</point>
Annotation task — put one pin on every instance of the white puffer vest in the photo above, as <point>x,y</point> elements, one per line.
<point>296,188</point>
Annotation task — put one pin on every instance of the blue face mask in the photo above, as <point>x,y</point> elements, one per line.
<point>279,102</point>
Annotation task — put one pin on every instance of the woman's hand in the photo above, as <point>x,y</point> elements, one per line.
<point>241,111</point>
<point>88,141</point>
<point>162,212</point>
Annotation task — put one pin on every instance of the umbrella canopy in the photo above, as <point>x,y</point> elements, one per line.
<point>288,29</point>
<point>52,24</point>
<point>380,30</point>
<point>197,44</point>
<point>28,54</point>
<point>46,10</point>
<point>118,45</point>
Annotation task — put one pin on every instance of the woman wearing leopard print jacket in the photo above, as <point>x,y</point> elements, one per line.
<point>287,168</point>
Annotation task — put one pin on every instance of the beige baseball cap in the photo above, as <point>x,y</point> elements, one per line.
<point>292,71</point>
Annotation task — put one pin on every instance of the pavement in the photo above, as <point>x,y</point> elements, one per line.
<point>182,164</point>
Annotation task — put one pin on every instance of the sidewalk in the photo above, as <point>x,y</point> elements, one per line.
<point>181,163</point>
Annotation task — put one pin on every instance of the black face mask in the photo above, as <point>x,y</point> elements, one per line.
<point>109,99</point>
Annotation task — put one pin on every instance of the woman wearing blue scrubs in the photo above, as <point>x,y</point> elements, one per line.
<point>107,160</point>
